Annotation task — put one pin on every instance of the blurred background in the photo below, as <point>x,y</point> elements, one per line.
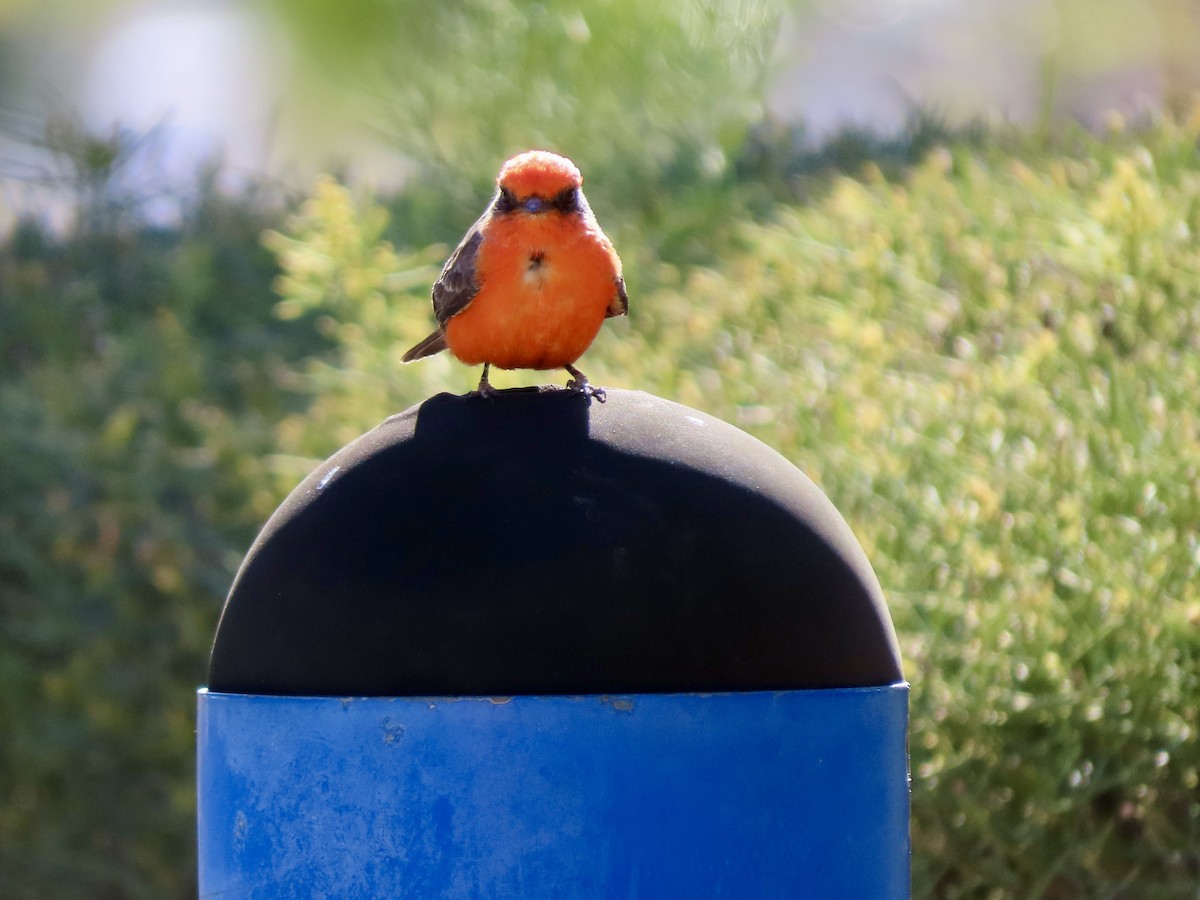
<point>939,253</point>
<point>282,90</point>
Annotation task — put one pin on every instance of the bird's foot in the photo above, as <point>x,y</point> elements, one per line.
<point>580,385</point>
<point>486,391</point>
<point>485,388</point>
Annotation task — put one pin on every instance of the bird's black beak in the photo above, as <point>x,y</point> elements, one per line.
<point>534,205</point>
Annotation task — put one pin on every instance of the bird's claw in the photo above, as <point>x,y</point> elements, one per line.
<point>587,389</point>
<point>486,391</point>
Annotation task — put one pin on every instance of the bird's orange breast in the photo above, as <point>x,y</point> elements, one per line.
<point>545,283</point>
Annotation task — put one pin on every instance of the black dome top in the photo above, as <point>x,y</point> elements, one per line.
<point>540,543</point>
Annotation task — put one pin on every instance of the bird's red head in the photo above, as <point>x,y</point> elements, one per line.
<point>538,173</point>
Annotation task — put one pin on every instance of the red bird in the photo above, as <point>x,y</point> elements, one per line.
<point>533,279</point>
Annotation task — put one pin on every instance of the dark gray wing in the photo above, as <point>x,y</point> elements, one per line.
<point>457,286</point>
<point>619,305</point>
<point>435,343</point>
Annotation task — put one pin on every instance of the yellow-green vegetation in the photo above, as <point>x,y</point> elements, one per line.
<point>991,363</point>
<point>629,86</point>
<point>141,381</point>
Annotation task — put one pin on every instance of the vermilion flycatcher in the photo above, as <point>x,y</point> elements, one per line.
<point>532,281</point>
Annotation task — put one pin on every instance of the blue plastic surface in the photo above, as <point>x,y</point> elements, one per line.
<point>788,794</point>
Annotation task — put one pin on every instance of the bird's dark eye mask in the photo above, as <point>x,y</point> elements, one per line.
<point>566,200</point>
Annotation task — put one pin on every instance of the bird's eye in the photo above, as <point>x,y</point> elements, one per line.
<point>566,200</point>
<point>506,201</point>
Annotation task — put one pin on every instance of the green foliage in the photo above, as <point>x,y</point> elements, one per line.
<point>139,387</point>
<point>625,88</point>
<point>336,265</point>
<point>991,363</point>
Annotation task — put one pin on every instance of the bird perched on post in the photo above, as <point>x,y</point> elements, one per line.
<point>533,279</point>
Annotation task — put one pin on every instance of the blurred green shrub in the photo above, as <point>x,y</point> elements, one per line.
<point>371,301</point>
<point>629,90</point>
<point>141,377</point>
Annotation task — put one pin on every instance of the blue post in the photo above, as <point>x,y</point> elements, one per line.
<point>764,794</point>
<point>740,734</point>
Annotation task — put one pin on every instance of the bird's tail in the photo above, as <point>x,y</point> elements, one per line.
<point>435,343</point>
